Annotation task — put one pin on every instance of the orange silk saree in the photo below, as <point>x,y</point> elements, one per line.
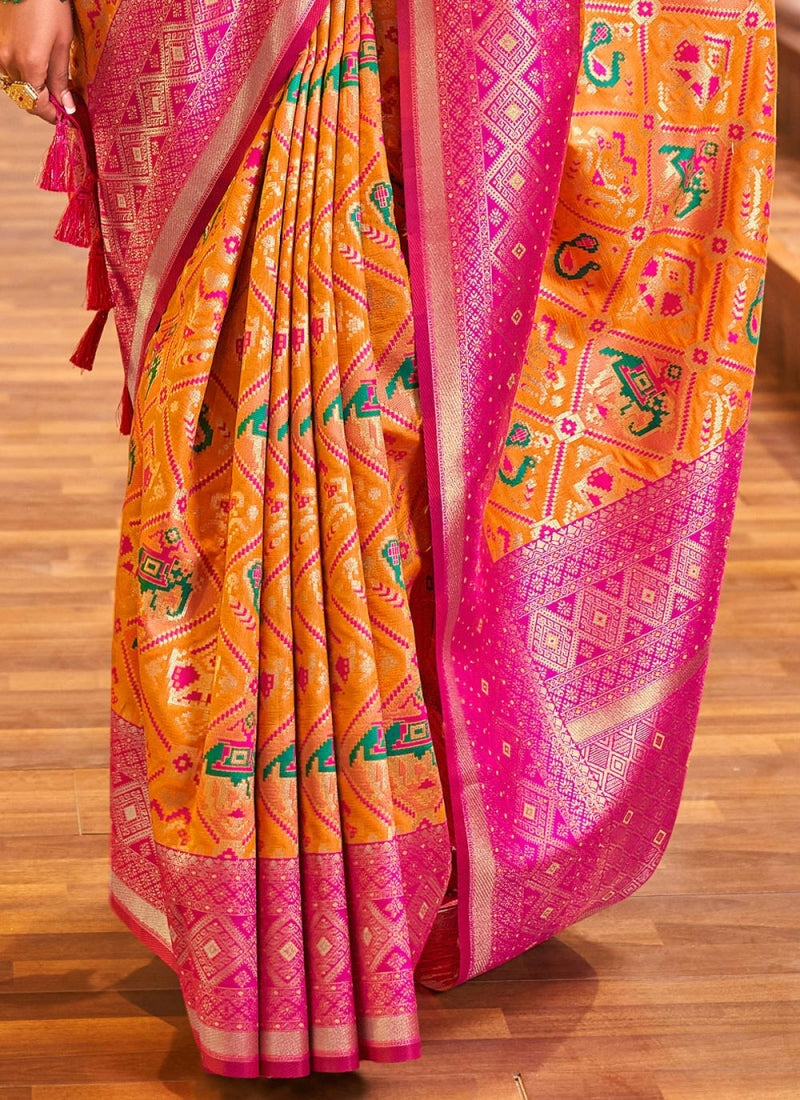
<point>440,328</point>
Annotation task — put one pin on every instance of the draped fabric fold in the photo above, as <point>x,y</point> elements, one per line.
<point>440,324</point>
<point>268,702</point>
<point>584,472</point>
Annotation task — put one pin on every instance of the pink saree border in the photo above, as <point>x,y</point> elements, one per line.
<point>214,1063</point>
<point>474,332</point>
<point>374,1045</point>
<point>605,805</point>
<point>438,367</point>
<point>287,966</point>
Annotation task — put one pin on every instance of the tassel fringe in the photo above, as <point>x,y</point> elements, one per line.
<point>77,224</point>
<point>69,168</point>
<point>98,290</point>
<point>125,412</point>
<point>57,173</point>
<point>86,351</point>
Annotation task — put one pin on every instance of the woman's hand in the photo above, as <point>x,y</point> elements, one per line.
<point>35,39</point>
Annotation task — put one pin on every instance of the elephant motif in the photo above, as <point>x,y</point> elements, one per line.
<point>405,373</point>
<point>409,735</point>
<point>364,401</point>
<point>322,758</point>
<point>285,761</point>
<point>369,51</point>
<point>372,745</point>
<point>639,387</point>
<point>160,574</point>
<point>406,736</point>
<point>257,421</point>
<point>233,760</point>
<point>334,407</point>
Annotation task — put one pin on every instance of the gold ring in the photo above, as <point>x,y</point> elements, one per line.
<point>21,92</point>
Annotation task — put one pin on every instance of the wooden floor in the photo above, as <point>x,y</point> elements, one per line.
<point>690,989</point>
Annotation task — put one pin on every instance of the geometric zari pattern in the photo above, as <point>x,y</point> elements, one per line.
<point>606,716</point>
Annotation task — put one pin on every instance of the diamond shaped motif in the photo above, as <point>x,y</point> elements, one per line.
<point>289,951</point>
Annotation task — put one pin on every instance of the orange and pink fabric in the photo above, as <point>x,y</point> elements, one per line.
<point>440,324</point>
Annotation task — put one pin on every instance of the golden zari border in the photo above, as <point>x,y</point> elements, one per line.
<point>638,702</point>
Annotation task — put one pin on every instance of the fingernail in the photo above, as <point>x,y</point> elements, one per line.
<point>68,103</point>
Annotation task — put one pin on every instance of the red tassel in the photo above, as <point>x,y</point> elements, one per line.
<point>126,412</point>
<point>98,291</point>
<point>57,171</point>
<point>86,351</point>
<point>76,226</point>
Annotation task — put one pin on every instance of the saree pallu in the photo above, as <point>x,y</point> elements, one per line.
<point>413,562</point>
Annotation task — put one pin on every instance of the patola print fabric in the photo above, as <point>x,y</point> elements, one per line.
<point>440,324</point>
<point>274,533</point>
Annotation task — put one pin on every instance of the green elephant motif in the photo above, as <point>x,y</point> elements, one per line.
<point>372,746</point>
<point>159,574</point>
<point>233,760</point>
<point>364,401</point>
<point>405,373</point>
<point>322,758</point>
<point>285,762</point>
<point>639,388</point>
<point>406,736</point>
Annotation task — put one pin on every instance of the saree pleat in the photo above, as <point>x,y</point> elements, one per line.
<point>268,703</point>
